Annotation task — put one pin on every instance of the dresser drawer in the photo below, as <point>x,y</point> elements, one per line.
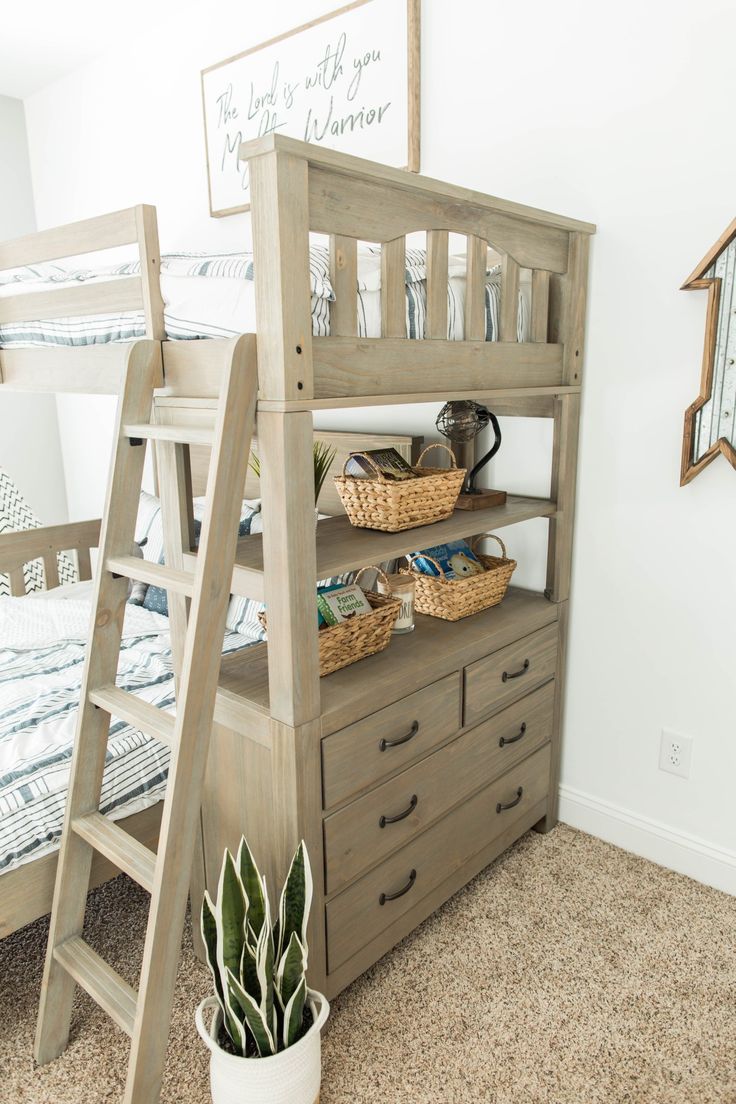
<point>509,673</point>
<point>393,813</point>
<point>365,909</point>
<point>374,748</point>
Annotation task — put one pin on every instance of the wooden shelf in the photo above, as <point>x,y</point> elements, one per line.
<point>340,547</point>
<point>411,661</point>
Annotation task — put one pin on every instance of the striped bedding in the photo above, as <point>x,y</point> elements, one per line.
<point>214,296</point>
<point>41,662</point>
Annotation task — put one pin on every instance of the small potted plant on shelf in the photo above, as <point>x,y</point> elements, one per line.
<point>264,1035</point>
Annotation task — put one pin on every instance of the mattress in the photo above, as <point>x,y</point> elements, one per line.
<point>41,664</point>
<point>209,296</point>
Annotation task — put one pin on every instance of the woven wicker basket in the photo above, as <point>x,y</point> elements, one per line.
<point>359,636</point>
<point>453,599</point>
<point>394,505</point>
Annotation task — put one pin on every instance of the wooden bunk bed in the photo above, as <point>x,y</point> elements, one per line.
<point>301,754</point>
<point>304,753</point>
<point>26,891</point>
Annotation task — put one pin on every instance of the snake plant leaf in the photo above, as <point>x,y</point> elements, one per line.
<point>294,1014</point>
<point>233,1025</point>
<point>249,973</point>
<point>231,908</point>
<point>291,969</point>
<point>296,900</point>
<point>259,1027</point>
<point>230,916</point>
<point>208,925</point>
<point>264,965</point>
<point>253,887</point>
<point>232,1019</point>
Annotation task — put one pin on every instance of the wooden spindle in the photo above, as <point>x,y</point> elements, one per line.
<point>509,313</point>
<point>437,254</point>
<point>475,289</point>
<point>51,570</point>
<point>84,564</point>
<point>540,305</point>
<point>393,288</point>
<point>17,582</point>
<point>344,279</point>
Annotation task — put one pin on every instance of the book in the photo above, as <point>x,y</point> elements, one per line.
<point>338,604</point>
<point>389,462</point>
<point>456,558</point>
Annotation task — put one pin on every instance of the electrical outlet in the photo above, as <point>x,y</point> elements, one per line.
<point>675,753</point>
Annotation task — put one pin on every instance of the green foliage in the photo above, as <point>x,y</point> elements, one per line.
<point>323,455</point>
<point>259,968</point>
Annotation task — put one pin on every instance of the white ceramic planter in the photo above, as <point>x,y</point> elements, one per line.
<point>291,1077</point>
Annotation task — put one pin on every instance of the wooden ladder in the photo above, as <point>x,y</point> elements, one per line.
<point>70,960</point>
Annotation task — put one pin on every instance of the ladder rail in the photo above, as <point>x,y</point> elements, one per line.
<point>90,740</point>
<point>195,713</point>
<point>197,633</point>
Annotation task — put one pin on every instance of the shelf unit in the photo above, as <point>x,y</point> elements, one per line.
<point>471,711</point>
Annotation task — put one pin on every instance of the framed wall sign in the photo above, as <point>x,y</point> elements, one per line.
<point>349,80</point>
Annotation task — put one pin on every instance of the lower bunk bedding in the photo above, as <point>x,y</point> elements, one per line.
<point>214,296</point>
<point>41,665</point>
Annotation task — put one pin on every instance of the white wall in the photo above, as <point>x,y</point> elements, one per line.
<point>621,115</point>
<point>29,440</point>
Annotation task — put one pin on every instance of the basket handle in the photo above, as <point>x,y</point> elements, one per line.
<point>437,444</point>
<point>371,463</point>
<point>416,556</point>
<point>489,536</point>
<point>380,574</point>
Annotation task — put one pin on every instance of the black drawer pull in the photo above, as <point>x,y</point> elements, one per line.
<point>501,807</point>
<point>515,674</point>
<point>512,739</point>
<point>383,744</point>
<point>384,820</point>
<point>394,896</point>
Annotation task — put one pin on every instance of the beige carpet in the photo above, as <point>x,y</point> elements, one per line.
<point>568,973</point>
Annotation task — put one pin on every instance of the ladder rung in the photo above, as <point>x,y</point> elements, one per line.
<point>117,845</point>
<point>179,434</point>
<point>136,712</point>
<point>103,984</point>
<point>156,574</point>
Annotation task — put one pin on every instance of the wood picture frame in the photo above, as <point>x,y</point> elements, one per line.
<point>692,465</point>
<point>236,110</point>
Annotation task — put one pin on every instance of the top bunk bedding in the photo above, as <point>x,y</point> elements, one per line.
<point>210,296</point>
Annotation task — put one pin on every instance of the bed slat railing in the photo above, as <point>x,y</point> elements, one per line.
<point>371,210</point>
<point>76,301</point>
<point>540,305</point>
<point>134,226</point>
<point>344,278</point>
<point>354,201</point>
<point>509,313</point>
<point>88,236</point>
<point>393,288</point>
<point>475,288</point>
<point>437,258</point>
<point>45,543</point>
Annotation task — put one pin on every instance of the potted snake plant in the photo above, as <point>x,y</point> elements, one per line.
<point>264,1034</point>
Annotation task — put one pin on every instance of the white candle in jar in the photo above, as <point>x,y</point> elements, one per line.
<point>402,587</point>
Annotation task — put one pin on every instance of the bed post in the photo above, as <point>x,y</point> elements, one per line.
<point>280,210</point>
<point>567,325</point>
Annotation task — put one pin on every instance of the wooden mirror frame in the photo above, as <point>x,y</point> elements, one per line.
<point>690,465</point>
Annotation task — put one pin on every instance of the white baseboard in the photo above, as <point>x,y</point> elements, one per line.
<point>714,866</point>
